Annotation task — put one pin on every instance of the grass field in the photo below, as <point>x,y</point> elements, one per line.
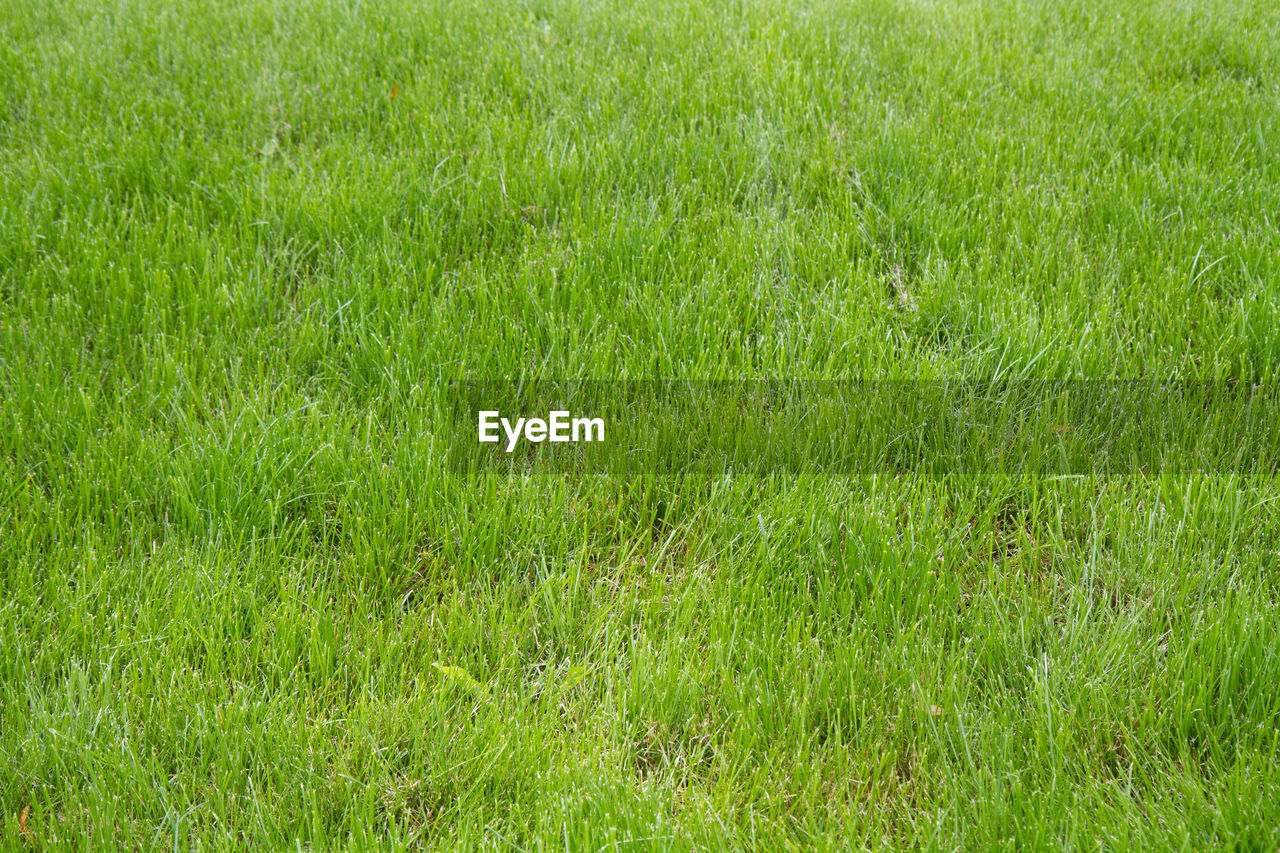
<point>246,249</point>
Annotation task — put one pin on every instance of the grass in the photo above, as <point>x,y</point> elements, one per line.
<point>247,249</point>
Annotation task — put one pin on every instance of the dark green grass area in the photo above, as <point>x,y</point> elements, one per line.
<point>247,250</point>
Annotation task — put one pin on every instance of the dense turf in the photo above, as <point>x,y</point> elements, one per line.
<point>248,598</point>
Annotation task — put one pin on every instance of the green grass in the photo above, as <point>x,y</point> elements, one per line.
<point>249,599</point>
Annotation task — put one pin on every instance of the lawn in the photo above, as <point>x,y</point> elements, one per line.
<point>842,575</point>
